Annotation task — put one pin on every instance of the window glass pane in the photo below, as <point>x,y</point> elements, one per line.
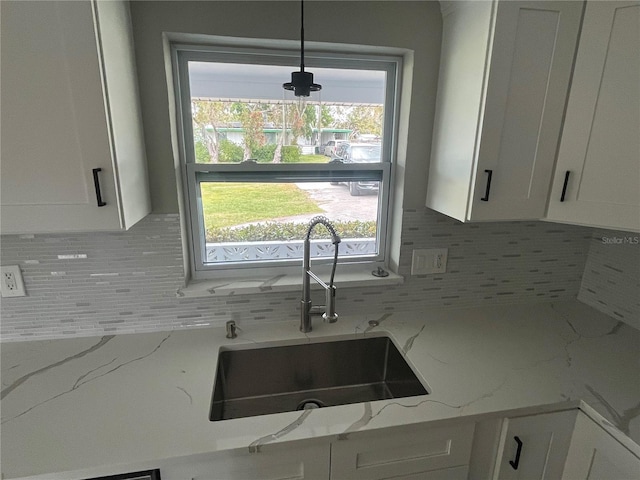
<point>260,222</point>
<point>256,214</point>
<point>241,112</point>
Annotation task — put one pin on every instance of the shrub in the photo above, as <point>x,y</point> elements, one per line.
<point>264,154</point>
<point>290,154</point>
<point>202,154</point>
<point>230,152</point>
<point>272,231</point>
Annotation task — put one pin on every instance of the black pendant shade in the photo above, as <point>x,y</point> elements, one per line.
<point>302,82</point>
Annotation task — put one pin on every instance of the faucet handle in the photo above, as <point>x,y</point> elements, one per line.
<point>330,314</point>
<point>330,318</point>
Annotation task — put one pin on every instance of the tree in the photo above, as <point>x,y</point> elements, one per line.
<point>207,115</point>
<point>277,154</point>
<point>338,115</point>
<point>295,120</point>
<point>302,118</point>
<point>362,119</point>
<point>253,125</point>
<point>326,118</point>
<point>365,120</point>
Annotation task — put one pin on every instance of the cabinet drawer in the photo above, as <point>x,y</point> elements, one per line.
<point>454,473</point>
<point>273,462</point>
<point>403,453</point>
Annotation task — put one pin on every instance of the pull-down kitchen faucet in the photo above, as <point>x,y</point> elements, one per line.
<point>327,311</point>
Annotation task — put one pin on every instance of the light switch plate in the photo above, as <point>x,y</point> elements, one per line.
<point>11,283</point>
<point>429,260</point>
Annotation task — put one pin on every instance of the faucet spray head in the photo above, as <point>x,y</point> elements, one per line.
<point>335,238</point>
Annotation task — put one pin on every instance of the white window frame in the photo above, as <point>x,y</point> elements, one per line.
<point>192,173</point>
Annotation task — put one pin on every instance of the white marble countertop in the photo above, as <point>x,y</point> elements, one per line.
<point>92,406</point>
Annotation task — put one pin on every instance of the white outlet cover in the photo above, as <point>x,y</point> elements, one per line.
<point>429,260</point>
<point>14,288</point>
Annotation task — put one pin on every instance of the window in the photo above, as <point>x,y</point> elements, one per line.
<point>259,163</point>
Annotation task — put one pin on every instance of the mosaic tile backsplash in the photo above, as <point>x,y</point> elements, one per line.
<point>96,283</point>
<point>611,280</point>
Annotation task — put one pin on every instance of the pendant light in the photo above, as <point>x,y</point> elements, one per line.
<point>302,82</point>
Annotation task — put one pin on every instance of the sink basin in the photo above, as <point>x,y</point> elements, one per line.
<point>274,379</point>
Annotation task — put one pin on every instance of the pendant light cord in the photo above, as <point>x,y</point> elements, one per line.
<point>302,35</point>
<point>301,82</point>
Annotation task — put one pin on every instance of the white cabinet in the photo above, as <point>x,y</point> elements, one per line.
<point>535,447</point>
<point>597,180</point>
<point>406,453</point>
<point>564,445</point>
<point>70,106</point>
<point>504,76</point>
<point>594,454</point>
<point>285,461</point>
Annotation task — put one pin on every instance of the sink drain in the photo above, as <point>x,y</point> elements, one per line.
<point>310,404</point>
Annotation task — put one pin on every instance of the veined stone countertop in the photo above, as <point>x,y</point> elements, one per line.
<point>83,407</point>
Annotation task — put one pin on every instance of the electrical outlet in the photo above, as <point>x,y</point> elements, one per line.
<point>431,260</point>
<point>11,283</point>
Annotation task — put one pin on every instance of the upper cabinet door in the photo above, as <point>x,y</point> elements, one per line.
<point>69,107</point>
<point>597,180</point>
<point>533,50</point>
<point>504,76</point>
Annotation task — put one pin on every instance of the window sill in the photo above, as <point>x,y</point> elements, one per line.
<point>290,282</point>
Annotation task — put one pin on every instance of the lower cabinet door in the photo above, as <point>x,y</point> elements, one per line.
<point>594,454</point>
<point>408,453</point>
<point>454,473</point>
<point>535,447</point>
<point>279,462</point>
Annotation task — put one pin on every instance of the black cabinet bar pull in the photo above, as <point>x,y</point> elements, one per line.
<point>486,193</point>
<point>515,463</point>
<point>96,183</point>
<point>564,186</point>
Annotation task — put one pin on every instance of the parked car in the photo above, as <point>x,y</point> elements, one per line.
<point>332,146</point>
<point>360,153</point>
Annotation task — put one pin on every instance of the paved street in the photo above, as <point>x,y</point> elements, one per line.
<point>338,204</point>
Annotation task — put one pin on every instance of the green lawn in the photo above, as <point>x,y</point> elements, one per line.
<point>229,204</point>
<point>314,159</point>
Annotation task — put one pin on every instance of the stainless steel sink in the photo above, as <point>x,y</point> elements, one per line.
<point>259,381</point>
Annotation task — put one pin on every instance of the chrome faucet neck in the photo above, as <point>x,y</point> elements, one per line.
<point>320,219</point>
<point>307,309</point>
